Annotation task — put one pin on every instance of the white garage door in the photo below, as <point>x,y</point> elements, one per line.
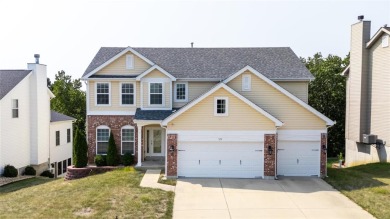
<point>221,159</point>
<point>298,158</point>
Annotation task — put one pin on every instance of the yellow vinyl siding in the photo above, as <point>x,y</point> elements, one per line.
<point>166,91</point>
<point>240,116</point>
<point>119,66</point>
<point>293,115</point>
<point>298,89</point>
<point>115,97</point>
<point>379,90</point>
<point>195,89</point>
<point>155,74</point>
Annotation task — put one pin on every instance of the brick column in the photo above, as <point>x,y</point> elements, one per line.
<point>172,156</point>
<point>323,154</point>
<point>269,160</point>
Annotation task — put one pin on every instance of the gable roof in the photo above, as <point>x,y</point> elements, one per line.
<point>214,63</point>
<point>155,67</point>
<point>211,91</point>
<point>328,121</point>
<point>377,35</point>
<point>57,117</point>
<point>9,79</point>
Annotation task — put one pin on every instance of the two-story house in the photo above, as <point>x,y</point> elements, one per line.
<point>31,134</point>
<point>207,112</point>
<point>367,130</point>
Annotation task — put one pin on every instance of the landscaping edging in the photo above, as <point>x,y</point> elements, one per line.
<point>77,173</point>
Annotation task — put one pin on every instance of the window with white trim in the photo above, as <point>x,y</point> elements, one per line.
<point>58,140</point>
<point>127,134</point>
<point>127,94</point>
<point>102,137</point>
<point>221,106</point>
<point>246,83</point>
<point>129,62</point>
<point>15,108</point>
<point>103,93</point>
<point>68,135</point>
<point>385,41</point>
<point>181,92</point>
<point>155,93</point>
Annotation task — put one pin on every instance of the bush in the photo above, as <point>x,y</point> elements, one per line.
<point>80,150</point>
<point>100,160</point>
<point>112,153</point>
<point>10,171</point>
<point>47,173</point>
<point>127,159</point>
<point>30,171</point>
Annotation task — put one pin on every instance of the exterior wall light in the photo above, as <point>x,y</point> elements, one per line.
<point>172,148</point>
<point>270,150</point>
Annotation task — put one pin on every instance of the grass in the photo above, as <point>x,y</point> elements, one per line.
<point>367,185</point>
<point>171,182</point>
<point>115,193</point>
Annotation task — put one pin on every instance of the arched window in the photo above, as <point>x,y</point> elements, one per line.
<point>127,137</point>
<point>102,137</point>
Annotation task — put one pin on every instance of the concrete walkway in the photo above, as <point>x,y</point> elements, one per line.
<point>150,180</point>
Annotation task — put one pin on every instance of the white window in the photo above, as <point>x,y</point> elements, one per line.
<point>155,93</point>
<point>15,108</point>
<point>385,41</point>
<point>129,62</point>
<point>103,93</point>
<point>181,92</point>
<point>221,106</point>
<point>102,137</point>
<point>127,140</point>
<point>68,136</point>
<point>246,83</point>
<point>58,140</point>
<point>127,94</point>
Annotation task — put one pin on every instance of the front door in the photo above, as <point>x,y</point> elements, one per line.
<point>155,142</point>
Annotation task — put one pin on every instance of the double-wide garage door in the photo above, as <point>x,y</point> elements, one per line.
<point>220,156</point>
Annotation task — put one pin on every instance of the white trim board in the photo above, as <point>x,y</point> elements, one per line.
<point>328,121</point>
<point>221,136</point>
<point>111,113</point>
<point>155,67</point>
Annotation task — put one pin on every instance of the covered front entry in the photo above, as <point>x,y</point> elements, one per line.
<point>154,141</point>
<point>220,154</point>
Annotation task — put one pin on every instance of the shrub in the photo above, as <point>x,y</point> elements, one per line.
<point>127,159</point>
<point>47,173</point>
<point>112,153</point>
<point>30,171</point>
<point>80,150</point>
<point>10,171</point>
<point>100,160</point>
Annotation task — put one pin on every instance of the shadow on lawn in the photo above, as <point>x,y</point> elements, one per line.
<point>15,186</point>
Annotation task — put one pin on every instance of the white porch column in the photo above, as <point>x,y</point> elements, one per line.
<point>139,140</point>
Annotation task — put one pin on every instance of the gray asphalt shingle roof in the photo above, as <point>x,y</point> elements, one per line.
<point>56,117</point>
<point>9,79</point>
<point>216,63</point>
<point>153,114</point>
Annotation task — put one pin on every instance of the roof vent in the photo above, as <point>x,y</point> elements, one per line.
<point>361,17</point>
<point>36,56</point>
<point>192,44</point>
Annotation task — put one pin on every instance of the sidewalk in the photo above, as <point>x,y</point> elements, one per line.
<point>150,180</point>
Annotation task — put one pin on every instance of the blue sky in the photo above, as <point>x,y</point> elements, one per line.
<point>68,34</point>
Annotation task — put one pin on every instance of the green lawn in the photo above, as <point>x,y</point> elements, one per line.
<point>108,195</point>
<point>367,185</point>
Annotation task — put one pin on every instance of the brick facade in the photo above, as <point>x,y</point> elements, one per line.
<point>172,156</point>
<point>115,123</point>
<point>269,160</point>
<point>323,154</point>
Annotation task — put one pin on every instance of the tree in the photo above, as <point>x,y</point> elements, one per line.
<point>112,153</point>
<point>327,94</point>
<point>80,149</point>
<point>70,99</point>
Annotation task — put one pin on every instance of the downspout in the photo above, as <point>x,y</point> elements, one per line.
<point>276,151</point>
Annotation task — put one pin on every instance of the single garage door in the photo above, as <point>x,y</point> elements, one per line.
<point>298,158</point>
<point>221,159</point>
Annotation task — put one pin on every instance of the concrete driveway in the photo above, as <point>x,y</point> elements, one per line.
<point>295,197</point>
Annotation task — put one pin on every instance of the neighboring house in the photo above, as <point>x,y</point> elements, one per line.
<point>207,112</point>
<point>368,96</point>
<point>27,126</point>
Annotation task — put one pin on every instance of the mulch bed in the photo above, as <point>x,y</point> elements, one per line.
<point>8,180</point>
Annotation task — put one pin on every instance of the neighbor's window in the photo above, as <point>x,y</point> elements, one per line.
<point>127,140</point>
<point>102,136</point>
<point>57,138</point>
<point>221,106</point>
<point>385,41</point>
<point>129,62</point>
<point>181,92</point>
<point>103,93</point>
<point>246,83</point>
<point>68,136</point>
<point>156,93</point>
<point>15,108</point>
<point>127,93</point>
